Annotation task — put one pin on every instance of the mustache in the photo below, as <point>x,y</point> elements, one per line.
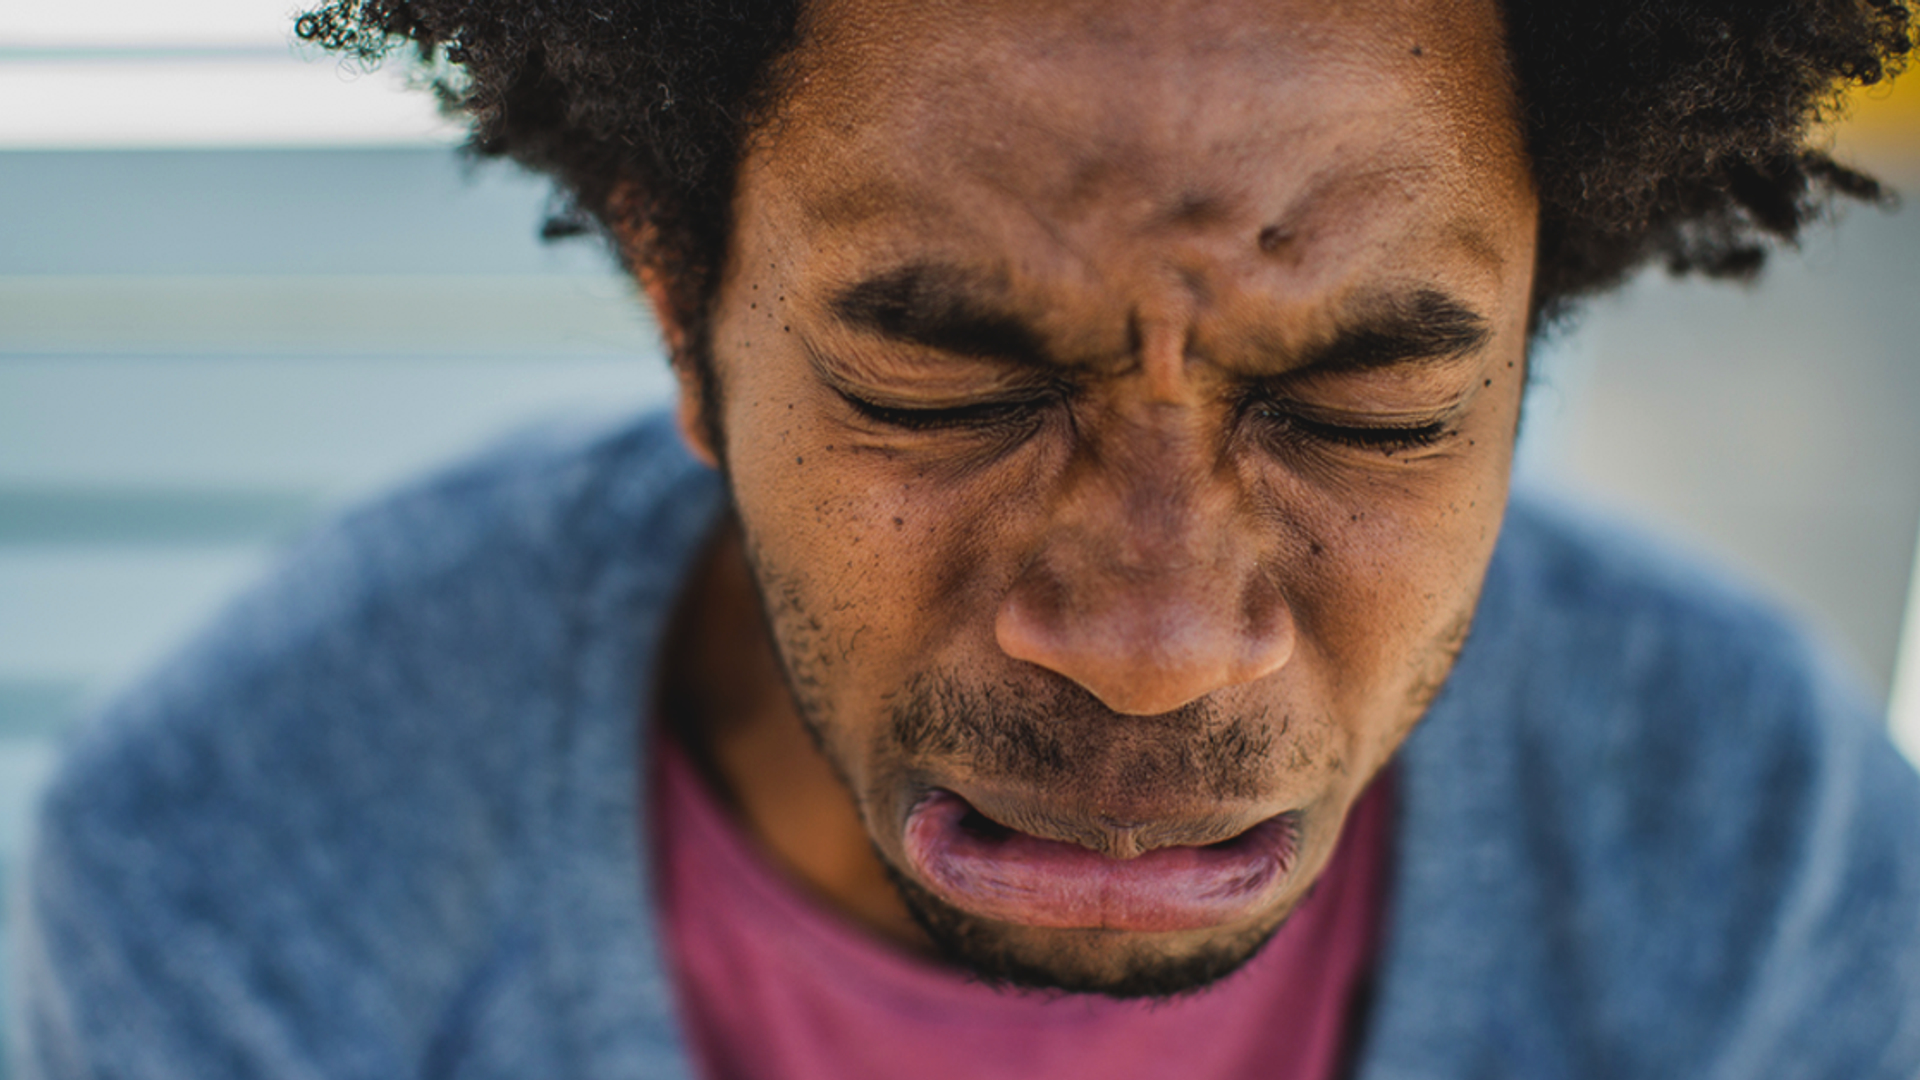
<point>1055,733</point>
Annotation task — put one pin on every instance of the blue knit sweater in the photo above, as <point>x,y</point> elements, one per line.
<point>383,821</point>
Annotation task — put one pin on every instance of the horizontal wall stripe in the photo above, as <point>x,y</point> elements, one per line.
<point>144,23</point>
<point>246,101</point>
<point>278,211</point>
<point>38,708</point>
<point>148,517</point>
<point>537,315</point>
<point>345,425</point>
<point>99,616</point>
<point>215,52</point>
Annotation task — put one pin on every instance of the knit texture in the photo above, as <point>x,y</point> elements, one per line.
<point>383,820</point>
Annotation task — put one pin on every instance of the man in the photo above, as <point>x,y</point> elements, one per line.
<point>1104,413</point>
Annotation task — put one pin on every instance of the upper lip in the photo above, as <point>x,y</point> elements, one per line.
<point>1125,831</point>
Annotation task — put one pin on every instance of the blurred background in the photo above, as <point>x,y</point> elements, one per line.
<point>241,286</point>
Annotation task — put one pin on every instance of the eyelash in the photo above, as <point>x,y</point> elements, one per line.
<point>976,416</point>
<point>1386,439</point>
<point>990,415</point>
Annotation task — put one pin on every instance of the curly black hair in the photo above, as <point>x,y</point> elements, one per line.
<point>1677,131</point>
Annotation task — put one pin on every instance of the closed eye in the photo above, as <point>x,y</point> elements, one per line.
<point>1387,437</point>
<point>974,415</point>
<point>1293,422</point>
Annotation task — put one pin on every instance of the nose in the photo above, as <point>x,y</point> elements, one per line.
<point>1149,598</point>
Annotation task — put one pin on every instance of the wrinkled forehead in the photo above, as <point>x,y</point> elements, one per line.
<point>1157,107</point>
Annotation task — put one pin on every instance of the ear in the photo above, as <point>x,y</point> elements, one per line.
<point>663,313</point>
<point>689,413</point>
<point>690,408</point>
<point>635,238</point>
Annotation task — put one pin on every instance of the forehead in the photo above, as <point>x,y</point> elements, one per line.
<point>1057,130</point>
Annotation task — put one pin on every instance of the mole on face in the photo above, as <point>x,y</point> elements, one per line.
<point>1198,208</point>
<point>1099,197</point>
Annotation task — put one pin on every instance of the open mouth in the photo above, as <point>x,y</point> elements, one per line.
<point>990,870</point>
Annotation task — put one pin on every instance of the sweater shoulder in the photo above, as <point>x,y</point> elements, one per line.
<point>336,785</point>
<point>1673,833</point>
<point>440,612</point>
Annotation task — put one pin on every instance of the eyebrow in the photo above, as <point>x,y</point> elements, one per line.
<point>942,308</point>
<point>1425,325</point>
<point>951,310</point>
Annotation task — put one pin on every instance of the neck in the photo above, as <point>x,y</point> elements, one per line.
<point>724,697</point>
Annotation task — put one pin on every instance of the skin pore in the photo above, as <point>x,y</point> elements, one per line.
<point>1118,400</point>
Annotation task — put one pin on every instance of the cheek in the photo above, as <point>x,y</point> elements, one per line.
<point>1384,578</point>
<point>873,567</point>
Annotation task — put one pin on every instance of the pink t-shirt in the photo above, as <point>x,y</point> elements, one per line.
<point>775,986</point>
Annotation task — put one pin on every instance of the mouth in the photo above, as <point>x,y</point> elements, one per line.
<point>997,872</point>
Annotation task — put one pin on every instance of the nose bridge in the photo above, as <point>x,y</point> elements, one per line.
<point>1148,586</point>
<point>1150,499</point>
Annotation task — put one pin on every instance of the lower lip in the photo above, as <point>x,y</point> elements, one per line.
<point>1013,877</point>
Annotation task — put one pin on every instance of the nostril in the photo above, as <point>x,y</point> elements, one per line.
<point>1136,660</point>
<point>1261,605</point>
<point>1146,644</point>
<point>1266,636</point>
<point>980,826</point>
<point>1033,622</point>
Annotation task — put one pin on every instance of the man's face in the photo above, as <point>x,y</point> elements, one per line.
<point>1118,398</point>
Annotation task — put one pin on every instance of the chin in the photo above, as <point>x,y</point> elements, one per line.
<point>1112,963</point>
